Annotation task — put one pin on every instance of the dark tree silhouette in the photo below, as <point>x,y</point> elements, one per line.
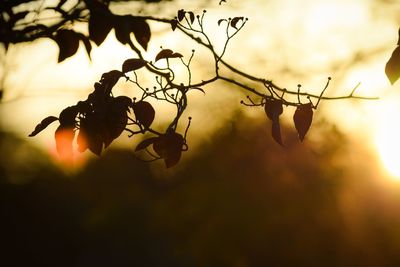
<point>95,122</point>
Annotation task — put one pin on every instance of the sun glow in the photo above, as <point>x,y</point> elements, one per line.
<point>388,138</point>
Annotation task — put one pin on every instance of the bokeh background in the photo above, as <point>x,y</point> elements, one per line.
<point>236,198</point>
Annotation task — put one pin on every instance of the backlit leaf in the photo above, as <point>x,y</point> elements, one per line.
<point>392,68</point>
<point>133,64</point>
<point>68,42</point>
<point>144,113</point>
<point>64,137</point>
<point>302,119</point>
<point>43,124</point>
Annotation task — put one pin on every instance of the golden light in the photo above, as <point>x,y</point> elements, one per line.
<point>388,137</point>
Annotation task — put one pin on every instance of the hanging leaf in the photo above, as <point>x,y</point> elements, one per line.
<point>392,68</point>
<point>144,113</point>
<point>181,14</point>
<point>169,147</point>
<point>174,24</point>
<point>100,26</point>
<point>302,119</point>
<point>191,17</point>
<point>64,136</point>
<point>91,134</point>
<point>235,20</point>
<point>273,108</point>
<point>141,30</point>
<point>42,125</point>
<point>125,25</point>
<point>133,64</point>
<point>276,132</point>
<point>145,143</point>
<point>167,53</point>
<point>122,29</point>
<point>68,42</point>
<point>115,119</point>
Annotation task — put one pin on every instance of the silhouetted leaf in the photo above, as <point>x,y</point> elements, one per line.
<point>191,17</point>
<point>181,14</point>
<point>276,132</point>
<point>43,124</point>
<point>125,25</point>
<point>220,21</point>
<point>392,68</point>
<point>115,119</point>
<point>302,119</point>
<point>145,143</point>
<point>99,27</point>
<point>273,108</point>
<point>64,137</point>
<point>167,53</point>
<point>174,24</point>
<point>68,42</point>
<point>141,30</point>
<point>67,116</point>
<point>91,133</point>
<point>235,20</point>
<point>169,147</point>
<point>133,64</point>
<point>144,113</point>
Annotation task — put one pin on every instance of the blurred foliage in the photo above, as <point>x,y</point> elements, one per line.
<point>242,200</point>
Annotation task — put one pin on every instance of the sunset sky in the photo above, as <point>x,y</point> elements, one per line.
<point>290,42</point>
